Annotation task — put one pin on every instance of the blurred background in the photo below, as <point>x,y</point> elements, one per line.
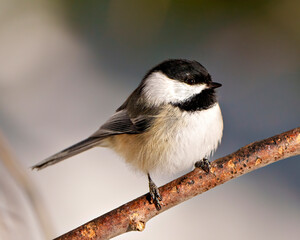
<point>65,66</point>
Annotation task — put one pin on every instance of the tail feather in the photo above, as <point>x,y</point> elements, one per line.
<point>68,152</point>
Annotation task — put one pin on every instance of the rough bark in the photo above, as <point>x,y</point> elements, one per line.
<point>133,216</point>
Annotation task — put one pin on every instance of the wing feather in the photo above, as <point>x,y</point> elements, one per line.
<point>121,123</point>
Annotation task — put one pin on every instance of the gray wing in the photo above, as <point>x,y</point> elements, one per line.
<point>122,123</point>
<point>119,123</point>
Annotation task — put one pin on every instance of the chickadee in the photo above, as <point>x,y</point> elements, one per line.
<point>171,122</point>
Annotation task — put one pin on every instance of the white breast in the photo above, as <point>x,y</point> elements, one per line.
<point>176,141</point>
<point>197,135</point>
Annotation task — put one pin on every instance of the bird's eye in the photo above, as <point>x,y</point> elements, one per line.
<point>189,79</point>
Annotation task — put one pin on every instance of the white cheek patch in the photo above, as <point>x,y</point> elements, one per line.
<point>159,89</point>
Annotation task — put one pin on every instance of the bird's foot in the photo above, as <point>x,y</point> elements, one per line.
<point>155,196</point>
<point>204,164</point>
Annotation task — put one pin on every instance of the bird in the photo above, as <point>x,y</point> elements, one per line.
<point>171,122</point>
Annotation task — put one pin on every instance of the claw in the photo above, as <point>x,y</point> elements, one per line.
<point>204,164</point>
<point>154,194</point>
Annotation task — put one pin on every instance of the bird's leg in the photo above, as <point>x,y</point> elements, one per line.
<point>154,193</point>
<point>204,164</point>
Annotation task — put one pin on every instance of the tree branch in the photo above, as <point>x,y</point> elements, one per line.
<point>133,216</point>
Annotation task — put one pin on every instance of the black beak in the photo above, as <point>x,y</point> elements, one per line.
<point>214,85</point>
